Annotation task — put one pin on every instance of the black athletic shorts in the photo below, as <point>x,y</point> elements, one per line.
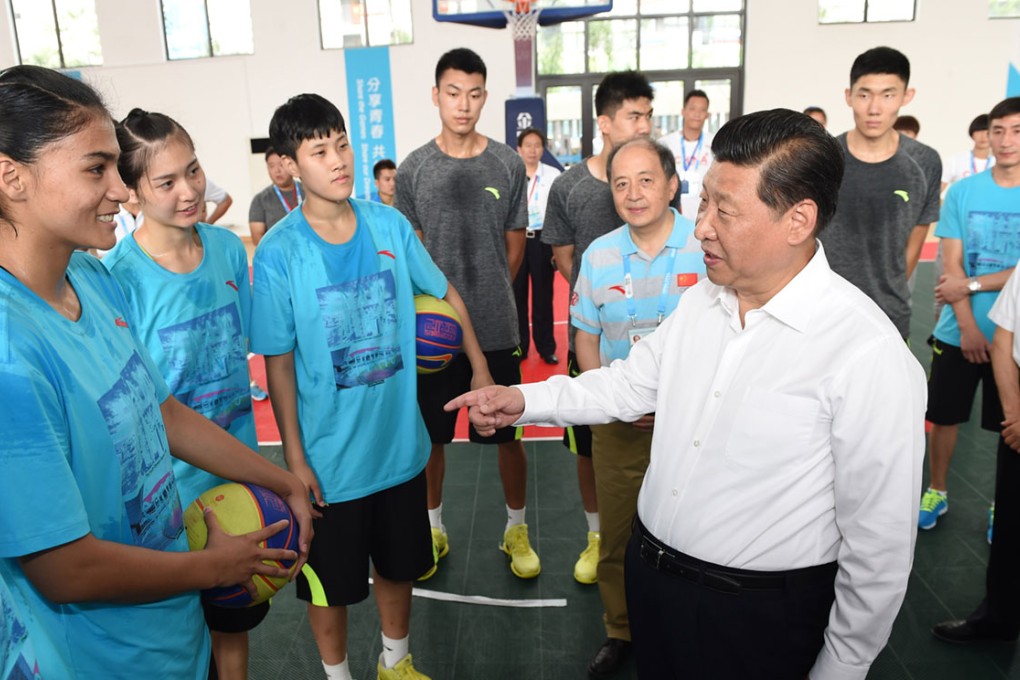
<point>389,527</point>
<point>435,389</point>
<point>234,620</point>
<point>577,438</point>
<point>952,384</point>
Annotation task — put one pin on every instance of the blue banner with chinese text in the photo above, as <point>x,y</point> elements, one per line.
<point>370,112</point>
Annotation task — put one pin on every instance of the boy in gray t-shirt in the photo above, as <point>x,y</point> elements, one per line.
<point>890,190</point>
<point>465,195</point>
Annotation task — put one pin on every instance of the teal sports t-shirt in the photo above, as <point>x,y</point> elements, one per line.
<point>347,312</point>
<point>195,327</point>
<point>986,219</point>
<point>85,451</point>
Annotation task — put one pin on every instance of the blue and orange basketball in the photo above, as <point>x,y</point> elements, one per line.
<point>438,334</point>
<point>241,509</point>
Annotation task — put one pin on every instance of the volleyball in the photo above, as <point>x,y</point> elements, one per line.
<point>241,509</point>
<point>438,333</point>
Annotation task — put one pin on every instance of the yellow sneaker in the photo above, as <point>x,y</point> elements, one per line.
<point>524,561</point>
<point>586,568</point>
<point>440,542</point>
<point>402,671</point>
<point>440,546</point>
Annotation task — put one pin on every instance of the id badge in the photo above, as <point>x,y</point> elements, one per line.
<point>635,334</point>
<point>685,187</point>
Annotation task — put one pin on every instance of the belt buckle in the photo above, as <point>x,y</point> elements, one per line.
<point>530,233</point>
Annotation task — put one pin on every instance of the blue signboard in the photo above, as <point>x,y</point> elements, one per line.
<point>370,117</point>
<point>527,112</point>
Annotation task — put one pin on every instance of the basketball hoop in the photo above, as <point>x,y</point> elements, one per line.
<point>522,19</point>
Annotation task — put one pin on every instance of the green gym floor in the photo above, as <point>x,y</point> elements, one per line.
<point>469,641</point>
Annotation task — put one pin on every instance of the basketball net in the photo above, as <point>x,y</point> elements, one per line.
<point>522,18</point>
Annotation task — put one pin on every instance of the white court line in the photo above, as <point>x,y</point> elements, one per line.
<point>485,601</point>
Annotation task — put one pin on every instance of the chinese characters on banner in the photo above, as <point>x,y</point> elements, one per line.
<point>370,112</point>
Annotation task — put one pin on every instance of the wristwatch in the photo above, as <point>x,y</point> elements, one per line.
<point>973,285</point>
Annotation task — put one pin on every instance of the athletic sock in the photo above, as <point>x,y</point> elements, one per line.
<point>593,520</point>
<point>513,517</point>
<point>436,518</point>
<point>340,671</point>
<point>393,650</point>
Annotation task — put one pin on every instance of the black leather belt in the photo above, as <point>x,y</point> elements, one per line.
<point>724,579</point>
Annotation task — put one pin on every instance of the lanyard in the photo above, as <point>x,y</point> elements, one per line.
<point>297,196</point>
<point>694,154</point>
<point>628,289</point>
<point>973,168</point>
<point>534,185</point>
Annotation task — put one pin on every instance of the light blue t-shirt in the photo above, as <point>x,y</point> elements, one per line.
<point>347,312</point>
<point>986,218</point>
<point>18,660</point>
<point>195,327</point>
<point>600,304</point>
<point>85,451</point>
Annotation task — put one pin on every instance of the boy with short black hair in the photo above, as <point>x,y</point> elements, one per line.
<point>334,286</point>
<point>465,194</point>
<point>890,190</point>
<point>384,173</point>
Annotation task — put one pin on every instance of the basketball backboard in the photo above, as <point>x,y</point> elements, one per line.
<point>492,13</point>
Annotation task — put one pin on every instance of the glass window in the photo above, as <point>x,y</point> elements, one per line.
<point>365,23</point>
<point>561,48</point>
<point>999,9</point>
<point>57,33</point>
<point>563,113</point>
<point>650,35</point>
<point>207,28</point>
<point>669,103</point>
<point>623,8</point>
<point>660,49</point>
<point>718,5</point>
<point>858,11</point>
<point>715,41</point>
<point>612,45</point>
<point>719,97</point>
<point>665,6</point>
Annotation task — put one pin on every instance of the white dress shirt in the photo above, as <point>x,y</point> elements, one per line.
<point>793,441</point>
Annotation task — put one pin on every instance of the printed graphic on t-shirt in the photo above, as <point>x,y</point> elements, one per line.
<point>13,646</point>
<point>148,486</point>
<point>993,241</point>
<point>201,354</point>
<point>360,317</point>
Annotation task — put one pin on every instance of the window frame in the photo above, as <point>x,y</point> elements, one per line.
<point>60,43</point>
<point>866,20</point>
<point>364,27</point>
<point>209,35</point>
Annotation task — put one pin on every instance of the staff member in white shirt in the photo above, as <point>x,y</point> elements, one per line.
<point>776,522</point>
<point>537,267</point>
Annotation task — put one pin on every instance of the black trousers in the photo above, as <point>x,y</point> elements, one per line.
<point>536,268</point>
<point>999,612</point>
<point>705,621</point>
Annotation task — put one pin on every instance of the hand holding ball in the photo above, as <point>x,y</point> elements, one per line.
<point>241,509</point>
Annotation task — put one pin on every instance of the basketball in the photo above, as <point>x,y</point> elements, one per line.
<point>438,335</point>
<point>241,509</point>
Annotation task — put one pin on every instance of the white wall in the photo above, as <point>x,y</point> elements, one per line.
<point>959,63</point>
<point>223,102</point>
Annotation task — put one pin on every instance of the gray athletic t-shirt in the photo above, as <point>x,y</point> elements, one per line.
<point>879,206</point>
<point>463,207</point>
<point>266,206</point>
<point>580,209</point>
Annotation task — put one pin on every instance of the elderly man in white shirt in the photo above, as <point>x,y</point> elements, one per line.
<point>776,523</point>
